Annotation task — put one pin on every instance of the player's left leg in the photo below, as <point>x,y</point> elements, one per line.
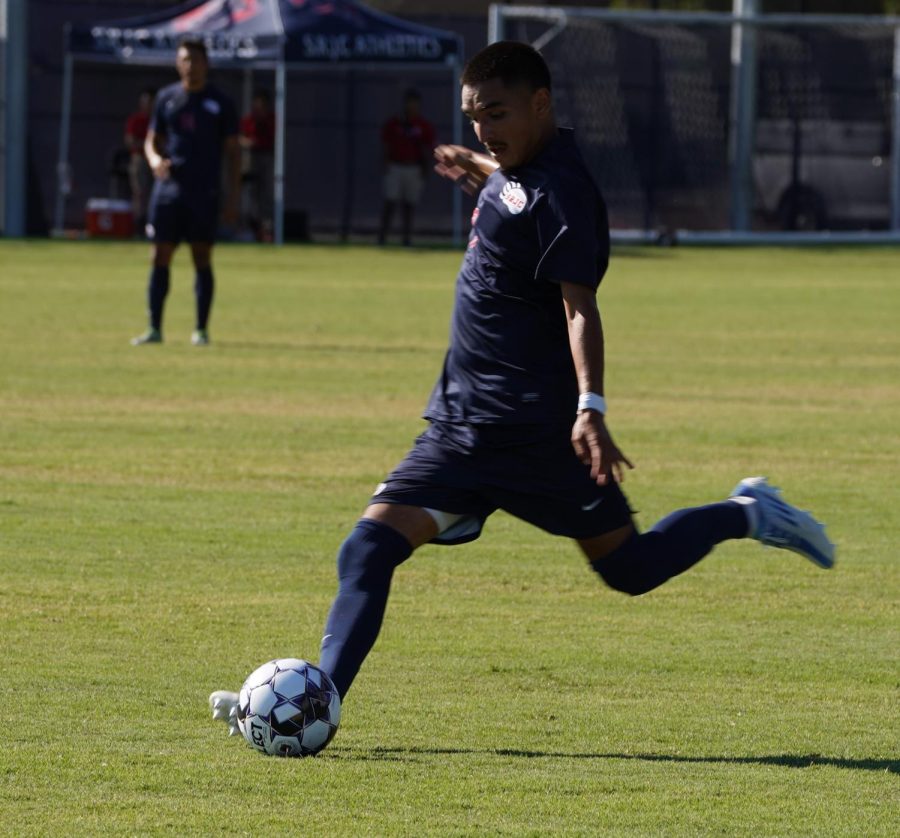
<point>637,563</point>
<point>640,563</point>
<point>545,484</point>
<point>204,287</point>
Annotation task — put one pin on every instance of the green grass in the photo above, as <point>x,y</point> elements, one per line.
<point>169,518</point>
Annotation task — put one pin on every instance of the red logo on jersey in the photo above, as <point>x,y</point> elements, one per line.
<point>514,197</point>
<point>474,216</point>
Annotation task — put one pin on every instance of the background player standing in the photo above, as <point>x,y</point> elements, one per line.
<point>408,141</point>
<point>517,416</point>
<point>193,126</point>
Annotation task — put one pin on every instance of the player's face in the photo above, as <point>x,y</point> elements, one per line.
<point>192,68</point>
<point>511,122</point>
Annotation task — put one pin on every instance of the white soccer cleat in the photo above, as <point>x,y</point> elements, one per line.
<point>776,523</point>
<point>224,706</point>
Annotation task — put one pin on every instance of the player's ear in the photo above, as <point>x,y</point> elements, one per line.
<point>541,102</point>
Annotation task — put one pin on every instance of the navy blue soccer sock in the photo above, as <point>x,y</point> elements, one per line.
<point>204,285</point>
<point>671,546</point>
<point>157,290</point>
<point>366,563</point>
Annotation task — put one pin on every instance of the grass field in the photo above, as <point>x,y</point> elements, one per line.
<point>169,517</point>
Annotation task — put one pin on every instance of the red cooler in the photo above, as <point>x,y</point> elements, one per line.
<point>108,218</point>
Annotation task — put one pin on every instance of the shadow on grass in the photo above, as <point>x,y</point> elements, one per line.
<point>783,760</point>
<point>323,348</point>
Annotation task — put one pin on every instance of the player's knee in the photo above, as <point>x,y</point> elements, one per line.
<point>622,570</point>
<point>162,255</point>
<point>369,555</point>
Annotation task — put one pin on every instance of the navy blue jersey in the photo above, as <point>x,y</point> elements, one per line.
<point>509,360</point>
<point>195,125</point>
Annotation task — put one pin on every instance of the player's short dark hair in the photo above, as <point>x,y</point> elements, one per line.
<point>412,93</point>
<point>195,45</point>
<point>263,93</point>
<point>510,61</point>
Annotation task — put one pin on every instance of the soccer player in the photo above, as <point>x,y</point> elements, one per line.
<point>194,125</point>
<point>518,414</point>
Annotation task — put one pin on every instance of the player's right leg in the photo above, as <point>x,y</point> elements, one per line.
<point>157,291</point>
<point>427,497</point>
<point>382,539</point>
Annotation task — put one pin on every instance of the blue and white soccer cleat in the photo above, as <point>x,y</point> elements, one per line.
<point>776,523</point>
<point>224,706</point>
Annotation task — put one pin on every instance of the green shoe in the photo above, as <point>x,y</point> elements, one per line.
<point>200,338</point>
<point>150,336</point>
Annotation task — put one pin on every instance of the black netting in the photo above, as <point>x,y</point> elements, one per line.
<point>651,106</point>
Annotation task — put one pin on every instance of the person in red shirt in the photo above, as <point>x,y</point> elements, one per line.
<point>140,178</point>
<point>408,142</point>
<point>257,138</point>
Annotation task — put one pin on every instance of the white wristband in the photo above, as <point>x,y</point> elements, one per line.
<point>592,401</point>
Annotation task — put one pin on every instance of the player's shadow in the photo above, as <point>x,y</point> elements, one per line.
<point>891,766</point>
<point>320,348</point>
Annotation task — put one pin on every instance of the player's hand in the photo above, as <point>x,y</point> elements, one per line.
<point>464,167</point>
<point>595,448</point>
<point>162,168</point>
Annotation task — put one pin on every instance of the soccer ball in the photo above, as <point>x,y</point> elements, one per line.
<point>288,708</point>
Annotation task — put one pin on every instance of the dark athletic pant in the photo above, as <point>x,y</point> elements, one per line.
<point>367,559</point>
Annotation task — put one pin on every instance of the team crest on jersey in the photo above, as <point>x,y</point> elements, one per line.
<point>514,197</point>
<point>211,105</point>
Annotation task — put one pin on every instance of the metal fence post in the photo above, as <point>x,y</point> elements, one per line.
<point>743,112</point>
<point>15,141</point>
<point>895,137</point>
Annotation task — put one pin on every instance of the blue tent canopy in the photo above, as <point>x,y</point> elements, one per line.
<point>260,31</point>
<point>273,34</point>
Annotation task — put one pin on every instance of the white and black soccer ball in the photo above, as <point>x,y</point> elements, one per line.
<point>289,708</point>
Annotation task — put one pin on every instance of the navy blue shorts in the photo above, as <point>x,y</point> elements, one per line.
<point>187,217</point>
<point>530,472</point>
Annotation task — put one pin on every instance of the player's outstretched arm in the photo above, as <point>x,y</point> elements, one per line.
<point>470,169</point>
<point>591,439</point>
